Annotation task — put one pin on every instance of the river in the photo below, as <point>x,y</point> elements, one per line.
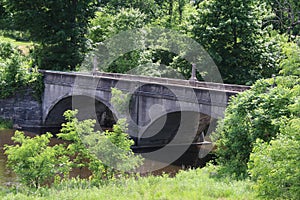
<point>7,177</point>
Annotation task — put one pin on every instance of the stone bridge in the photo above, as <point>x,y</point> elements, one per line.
<point>160,111</point>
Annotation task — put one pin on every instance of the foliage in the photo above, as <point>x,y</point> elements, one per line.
<point>100,26</point>
<point>106,25</point>
<point>148,7</point>
<point>253,114</point>
<point>15,71</point>
<point>120,100</point>
<point>70,132</point>
<point>239,35</point>
<point>3,16</point>
<point>275,166</point>
<point>290,65</point>
<point>170,14</point>
<point>34,161</point>
<point>105,154</point>
<point>24,46</point>
<point>162,13</point>
<point>191,184</point>
<point>113,149</point>
<point>243,47</point>
<point>231,32</point>
<point>285,17</point>
<point>5,124</point>
<point>59,28</point>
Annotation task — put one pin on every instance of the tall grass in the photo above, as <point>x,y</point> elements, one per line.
<point>192,184</point>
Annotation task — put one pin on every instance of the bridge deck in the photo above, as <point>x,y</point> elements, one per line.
<point>156,80</point>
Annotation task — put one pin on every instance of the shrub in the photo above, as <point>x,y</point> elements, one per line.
<point>34,161</point>
<point>253,114</point>
<point>105,154</point>
<point>275,166</point>
<point>120,101</point>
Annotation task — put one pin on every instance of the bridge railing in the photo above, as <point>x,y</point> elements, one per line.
<point>155,80</point>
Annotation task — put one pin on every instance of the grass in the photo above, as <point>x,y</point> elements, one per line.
<point>5,124</point>
<point>192,184</point>
<point>22,45</point>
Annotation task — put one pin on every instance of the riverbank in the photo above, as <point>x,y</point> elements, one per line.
<point>191,184</point>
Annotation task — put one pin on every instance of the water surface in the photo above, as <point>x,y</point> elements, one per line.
<point>7,177</point>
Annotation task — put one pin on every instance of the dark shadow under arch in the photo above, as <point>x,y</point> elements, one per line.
<point>185,126</point>
<point>88,108</point>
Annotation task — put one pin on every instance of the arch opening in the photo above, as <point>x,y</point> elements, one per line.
<point>181,127</point>
<point>88,108</point>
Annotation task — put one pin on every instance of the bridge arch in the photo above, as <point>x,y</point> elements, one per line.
<point>88,108</point>
<point>177,127</point>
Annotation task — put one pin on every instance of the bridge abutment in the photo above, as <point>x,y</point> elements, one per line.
<point>22,108</point>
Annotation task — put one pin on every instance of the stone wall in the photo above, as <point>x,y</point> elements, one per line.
<point>23,109</point>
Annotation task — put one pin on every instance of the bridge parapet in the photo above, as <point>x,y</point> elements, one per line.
<point>68,78</point>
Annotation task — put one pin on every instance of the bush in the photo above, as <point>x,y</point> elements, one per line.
<point>34,161</point>
<point>253,114</point>
<point>275,166</point>
<point>105,154</point>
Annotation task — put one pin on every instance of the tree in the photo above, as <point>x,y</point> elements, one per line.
<point>16,71</point>
<point>231,32</point>
<point>270,108</point>
<point>59,28</point>
<point>128,16</point>
<point>106,25</point>
<point>147,7</point>
<point>286,17</point>
<point>274,166</point>
<point>290,65</point>
<point>156,10</point>
<point>3,16</point>
<point>254,114</point>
